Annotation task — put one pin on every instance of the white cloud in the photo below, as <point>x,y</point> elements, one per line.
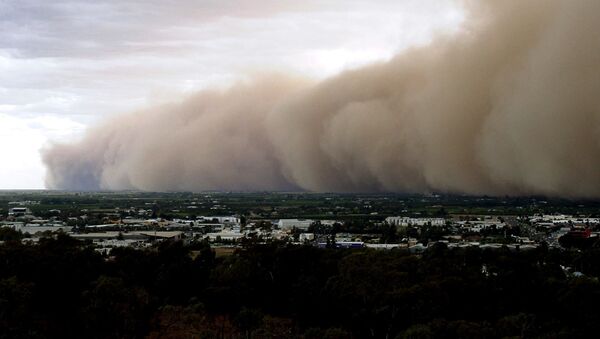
<point>21,140</point>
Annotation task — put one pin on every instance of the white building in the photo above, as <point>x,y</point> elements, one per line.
<point>288,224</point>
<point>225,235</point>
<point>18,211</point>
<point>479,225</point>
<point>221,219</point>
<point>34,229</point>
<point>406,221</point>
<point>307,237</point>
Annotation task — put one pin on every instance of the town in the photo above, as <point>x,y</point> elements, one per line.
<point>229,220</point>
<point>297,265</point>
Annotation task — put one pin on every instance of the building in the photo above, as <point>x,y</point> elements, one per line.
<point>406,221</point>
<point>220,219</point>
<point>224,235</point>
<point>307,237</point>
<point>288,224</point>
<point>35,229</point>
<point>138,236</point>
<point>18,211</point>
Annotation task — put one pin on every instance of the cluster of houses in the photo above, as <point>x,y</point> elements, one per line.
<point>141,231</point>
<point>552,220</point>
<point>555,226</point>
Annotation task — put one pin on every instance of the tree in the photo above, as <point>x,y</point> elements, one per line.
<point>247,320</point>
<point>9,234</point>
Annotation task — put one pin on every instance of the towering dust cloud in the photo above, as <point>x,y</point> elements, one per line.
<point>510,105</point>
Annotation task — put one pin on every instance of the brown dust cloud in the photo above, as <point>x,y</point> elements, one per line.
<point>509,105</point>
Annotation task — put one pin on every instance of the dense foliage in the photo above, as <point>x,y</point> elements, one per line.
<point>272,205</point>
<point>60,288</point>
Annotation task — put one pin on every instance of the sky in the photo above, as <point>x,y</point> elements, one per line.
<point>66,65</point>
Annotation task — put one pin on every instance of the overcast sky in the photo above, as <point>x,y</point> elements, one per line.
<point>64,65</point>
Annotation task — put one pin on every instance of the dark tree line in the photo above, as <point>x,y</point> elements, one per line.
<point>61,288</point>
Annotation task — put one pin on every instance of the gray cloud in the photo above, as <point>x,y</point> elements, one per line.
<point>99,29</point>
<point>507,106</point>
<point>88,59</point>
<point>95,29</point>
